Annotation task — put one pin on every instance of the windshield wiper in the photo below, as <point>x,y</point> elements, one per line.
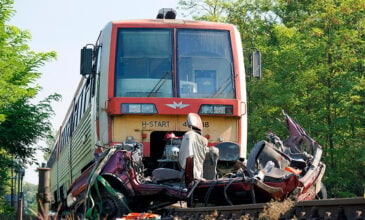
<point>226,83</point>
<point>159,84</point>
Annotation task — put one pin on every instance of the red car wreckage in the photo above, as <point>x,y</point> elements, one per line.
<point>116,184</point>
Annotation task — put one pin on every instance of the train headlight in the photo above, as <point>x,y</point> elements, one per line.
<point>216,109</point>
<point>138,108</point>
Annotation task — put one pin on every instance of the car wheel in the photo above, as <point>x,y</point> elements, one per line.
<point>113,206</point>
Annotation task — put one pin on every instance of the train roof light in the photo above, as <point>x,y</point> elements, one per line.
<point>166,13</point>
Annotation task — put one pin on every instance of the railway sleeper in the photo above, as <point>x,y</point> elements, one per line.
<point>349,208</point>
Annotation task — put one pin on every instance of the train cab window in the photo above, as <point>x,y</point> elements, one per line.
<point>204,64</point>
<point>144,60</point>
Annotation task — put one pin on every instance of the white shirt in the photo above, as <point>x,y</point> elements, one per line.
<point>193,144</point>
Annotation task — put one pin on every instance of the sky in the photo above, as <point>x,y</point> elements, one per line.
<point>65,26</point>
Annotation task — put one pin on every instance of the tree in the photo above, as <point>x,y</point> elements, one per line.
<point>30,198</point>
<point>210,10</point>
<point>22,123</point>
<point>324,41</point>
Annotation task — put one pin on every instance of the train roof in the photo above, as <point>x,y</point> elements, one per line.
<point>170,23</point>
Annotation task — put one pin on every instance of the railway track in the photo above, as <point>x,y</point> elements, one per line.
<point>349,208</point>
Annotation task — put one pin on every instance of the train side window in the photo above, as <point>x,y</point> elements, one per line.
<point>81,104</point>
<point>79,109</point>
<point>62,140</point>
<point>87,96</point>
<point>81,100</point>
<point>75,116</point>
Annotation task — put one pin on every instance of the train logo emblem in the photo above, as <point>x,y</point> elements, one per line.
<point>179,105</point>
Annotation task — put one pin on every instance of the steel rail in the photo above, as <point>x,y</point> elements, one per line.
<point>347,208</point>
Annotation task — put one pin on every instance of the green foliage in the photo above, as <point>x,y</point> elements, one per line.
<point>313,68</point>
<point>6,10</point>
<point>30,195</point>
<point>22,121</point>
<point>5,166</point>
<point>18,64</point>
<point>209,10</point>
<point>50,140</point>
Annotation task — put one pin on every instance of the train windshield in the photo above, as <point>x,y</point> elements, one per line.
<point>145,63</point>
<point>204,64</point>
